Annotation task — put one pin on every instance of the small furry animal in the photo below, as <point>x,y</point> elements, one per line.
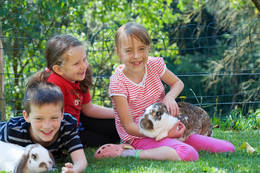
<point>30,159</point>
<point>156,121</point>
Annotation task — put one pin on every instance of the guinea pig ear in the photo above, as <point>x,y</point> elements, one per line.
<point>164,107</point>
<point>22,163</point>
<point>52,158</point>
<point>145,123</point>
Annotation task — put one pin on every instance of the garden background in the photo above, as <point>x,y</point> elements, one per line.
<point>212,45</point>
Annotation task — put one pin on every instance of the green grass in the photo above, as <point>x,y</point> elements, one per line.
<point>240,161</point>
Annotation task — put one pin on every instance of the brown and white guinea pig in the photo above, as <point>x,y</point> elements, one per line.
<point>157,121</point>
<point>30,159</point>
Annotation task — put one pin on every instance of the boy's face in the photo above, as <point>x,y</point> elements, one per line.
<point>45,122</point>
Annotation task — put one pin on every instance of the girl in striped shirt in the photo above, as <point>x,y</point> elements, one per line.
<point>135,85</point>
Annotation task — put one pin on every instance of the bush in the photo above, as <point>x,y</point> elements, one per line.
<point>237,121</point>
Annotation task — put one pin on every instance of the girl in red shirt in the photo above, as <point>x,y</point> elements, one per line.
<point>68,68</point>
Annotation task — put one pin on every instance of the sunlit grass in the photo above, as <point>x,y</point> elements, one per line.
<point>240,161</point>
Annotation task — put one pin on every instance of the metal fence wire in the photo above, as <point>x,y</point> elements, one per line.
<point>213,78</point>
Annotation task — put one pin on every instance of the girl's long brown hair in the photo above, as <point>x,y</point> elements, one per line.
<point>55,49</point>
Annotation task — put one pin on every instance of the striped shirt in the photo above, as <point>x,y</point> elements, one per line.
<point>17,131</point>
<point>139,96</point>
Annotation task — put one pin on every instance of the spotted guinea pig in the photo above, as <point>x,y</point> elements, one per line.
<point>156,121</point>
<point>30,159</point>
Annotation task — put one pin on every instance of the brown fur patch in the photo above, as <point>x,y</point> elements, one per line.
<point>145,123</point>
<point>158,110</point>
<point>195,119</point>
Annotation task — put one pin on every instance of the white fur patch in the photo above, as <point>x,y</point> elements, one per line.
<point>161,124</point>
<point>156,121</point>
<point>32,159</point>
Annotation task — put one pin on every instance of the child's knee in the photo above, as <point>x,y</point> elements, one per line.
<point>229,147</point>
<point>232,148</point>
<point>189,154</point>
<point>224,146</point>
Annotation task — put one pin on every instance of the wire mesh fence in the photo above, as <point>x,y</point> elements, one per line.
<point>214,78</point>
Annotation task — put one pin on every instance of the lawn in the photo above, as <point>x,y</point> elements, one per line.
<point>240,161</point>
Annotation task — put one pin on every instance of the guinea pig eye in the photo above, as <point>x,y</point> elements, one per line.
<point>34,156</point>
<point>158,113</point>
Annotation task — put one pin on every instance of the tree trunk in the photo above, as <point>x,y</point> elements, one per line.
<point>2,99</point>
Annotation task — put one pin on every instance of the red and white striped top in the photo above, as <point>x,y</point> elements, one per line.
<point>139,96</point>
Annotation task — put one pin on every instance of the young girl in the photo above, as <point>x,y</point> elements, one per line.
<point>68,68</point>
<point>135,85</point>
<point>44,122</point>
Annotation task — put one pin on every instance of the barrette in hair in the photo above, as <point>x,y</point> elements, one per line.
<point>47,69</point>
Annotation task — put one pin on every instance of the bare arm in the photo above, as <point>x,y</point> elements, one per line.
<point>176,86</point>
<point>79,162</point>
<point>125,118</point>
<point>96,111</point>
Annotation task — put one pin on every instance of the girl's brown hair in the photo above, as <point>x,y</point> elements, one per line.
<point>133,29</point>
<point>55,48</point>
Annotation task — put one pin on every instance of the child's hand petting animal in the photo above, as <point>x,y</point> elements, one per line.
<point>158,123</point>
<point>177,130</point>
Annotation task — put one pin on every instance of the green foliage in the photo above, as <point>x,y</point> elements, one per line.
<point>241,54</point>
<point>27,25</point>
<point>237,121</point>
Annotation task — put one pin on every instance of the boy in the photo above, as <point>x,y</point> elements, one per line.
<point>44,122</point>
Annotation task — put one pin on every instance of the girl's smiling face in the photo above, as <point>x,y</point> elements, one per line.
<point>133,53</point>
<point>74,64</point>
<point>45,122</point>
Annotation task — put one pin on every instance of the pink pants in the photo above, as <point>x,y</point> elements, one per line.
<point>188,150</point>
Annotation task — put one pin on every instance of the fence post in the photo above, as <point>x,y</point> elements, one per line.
<point>2,99</point>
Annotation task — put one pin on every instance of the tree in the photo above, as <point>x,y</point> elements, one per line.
<point>2,100</point>
<point>242,54</point>
<point>257,4</point>
<point>28,24</point>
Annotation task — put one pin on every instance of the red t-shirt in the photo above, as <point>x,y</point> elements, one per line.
<point>74,98</point>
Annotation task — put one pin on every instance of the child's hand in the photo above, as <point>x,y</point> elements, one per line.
<point>171,105</point>
<point>68,168</point>
<point>177,130</point>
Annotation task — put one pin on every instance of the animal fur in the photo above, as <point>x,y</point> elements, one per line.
<point>156,121</point>
<point>30,159</point>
